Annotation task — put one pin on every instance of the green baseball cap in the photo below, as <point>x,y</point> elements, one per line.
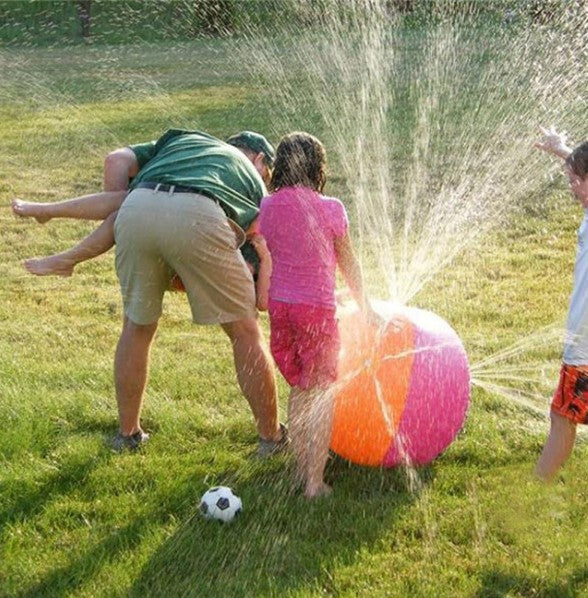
<point>254,141</point>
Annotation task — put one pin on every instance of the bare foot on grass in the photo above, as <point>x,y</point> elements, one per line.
<point>317,491</point>
<point>30,209</point>
<point>56,265</point>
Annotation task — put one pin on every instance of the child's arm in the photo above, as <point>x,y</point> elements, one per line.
<point>554,143</point>
<point>265,270</point>
<point>353,277</point>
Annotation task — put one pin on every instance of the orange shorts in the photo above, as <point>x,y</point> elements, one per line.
<point>570,399</point>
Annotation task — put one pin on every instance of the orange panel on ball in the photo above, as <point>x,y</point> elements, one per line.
<point>374,375</point>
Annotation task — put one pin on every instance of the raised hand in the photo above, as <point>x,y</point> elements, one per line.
<point>553,142</point>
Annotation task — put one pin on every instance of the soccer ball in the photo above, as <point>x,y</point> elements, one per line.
<point>220,503</point>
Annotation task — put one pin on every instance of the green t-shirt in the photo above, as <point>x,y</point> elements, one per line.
<point>198,160</point>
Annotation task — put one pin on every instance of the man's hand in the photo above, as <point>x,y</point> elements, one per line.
<point>553,143</point>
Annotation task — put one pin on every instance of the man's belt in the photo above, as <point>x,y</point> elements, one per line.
<point>164,188</point>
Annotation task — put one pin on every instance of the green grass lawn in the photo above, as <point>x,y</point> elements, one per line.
<point>77,520</point>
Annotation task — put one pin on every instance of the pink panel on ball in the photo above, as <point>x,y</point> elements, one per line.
<point>438,395</point>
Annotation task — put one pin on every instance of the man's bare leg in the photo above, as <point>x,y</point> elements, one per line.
<point>96,206</point>
<point>131,367</point>
<point>558,447</point>
<point>255,375</point>
<point>62,264</point>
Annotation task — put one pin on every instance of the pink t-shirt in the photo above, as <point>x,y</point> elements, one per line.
<point>300,227</point>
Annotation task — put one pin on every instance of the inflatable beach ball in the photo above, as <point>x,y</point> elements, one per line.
<point>403,391</point>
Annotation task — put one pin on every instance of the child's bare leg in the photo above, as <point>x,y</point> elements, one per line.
<point>96,206</point>
<point>62,264</point>
<point>310,420</point>
<point>319,439</point>
<point>558,447</point>
<point>298,424</point>
<point>119,166</point>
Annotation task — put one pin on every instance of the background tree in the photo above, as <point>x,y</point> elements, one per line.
<point>84,8</point>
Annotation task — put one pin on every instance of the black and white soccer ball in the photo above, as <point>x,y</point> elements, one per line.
<point>220,503</point>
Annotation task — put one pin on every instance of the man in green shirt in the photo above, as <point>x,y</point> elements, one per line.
<point>191,197</point>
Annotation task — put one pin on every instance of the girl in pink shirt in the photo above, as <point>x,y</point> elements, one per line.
<point>307,238</point>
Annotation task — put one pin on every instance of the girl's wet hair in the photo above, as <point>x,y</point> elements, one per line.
<point>577,161</point>
<point>301,159</point>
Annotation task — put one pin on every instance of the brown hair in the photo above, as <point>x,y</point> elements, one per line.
<point>301,159</point>
<point>578,160</point>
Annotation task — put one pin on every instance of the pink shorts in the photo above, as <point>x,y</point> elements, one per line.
<point>305,343</point>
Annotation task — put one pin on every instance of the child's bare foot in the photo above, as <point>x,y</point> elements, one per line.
<point>314,491</point>
<point>30,209</point>
<point>56,265</point>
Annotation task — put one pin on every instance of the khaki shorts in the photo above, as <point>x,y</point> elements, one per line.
<point>158,233</point>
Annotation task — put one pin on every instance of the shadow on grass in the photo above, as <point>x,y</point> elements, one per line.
<point>497,584</point>
<point>25,499</point>
<point>282,542</point>
<point>65,580</point>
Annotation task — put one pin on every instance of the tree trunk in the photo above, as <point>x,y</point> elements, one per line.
<point>84,12</point>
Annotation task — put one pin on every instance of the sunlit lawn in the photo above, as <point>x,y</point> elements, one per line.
<point>77,520</point>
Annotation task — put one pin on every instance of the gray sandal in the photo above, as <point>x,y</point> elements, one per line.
<point>131,442</point>
<point>267,448</point>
